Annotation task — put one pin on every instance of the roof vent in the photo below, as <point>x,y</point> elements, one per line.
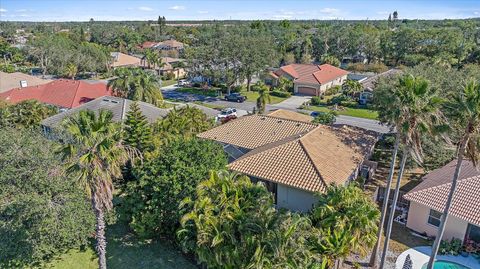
<point>279,121</point>
<point>298,125</point>
<point>262,118</point>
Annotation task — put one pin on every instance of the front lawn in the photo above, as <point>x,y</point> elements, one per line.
<point>252,97</point>
<point>168,82</point>
<point>347,111</point>
<point>124,250</point>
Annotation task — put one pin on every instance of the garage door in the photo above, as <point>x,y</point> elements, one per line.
<point>306,91</point>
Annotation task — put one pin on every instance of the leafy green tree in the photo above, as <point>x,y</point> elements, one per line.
<point>414,109</point>
<point>137,132</point>
<point>464,112</point>
<point>232,223</point>
<point>348,218</point>
<point>27,113</point>
<point>284,84</point>
<point>163,181</point>
<point>94,155</point>
<point>263,99</point>
<point>152,58</point>
<point>331,60</point>
<point>42,212</point>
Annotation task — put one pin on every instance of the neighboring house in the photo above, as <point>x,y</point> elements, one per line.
<point>170,44</point>
<point>123,60</point>
<point>290,115</point>
<point>63,93</point>
<point>295,159</point>
<point>370,83</point>
<point>119,107</point>
<point>148,45</point>
<point>9,81</point>
<point>309,79</point>
<point>428,199</point>
<point>168,67</point>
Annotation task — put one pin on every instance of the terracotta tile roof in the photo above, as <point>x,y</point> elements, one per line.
<point>323,156</point>
<point>312,74</point>
<point>63,93</point>
<point>172,43</point>
<point>9,81</point>
<point>148,44</point>
<point>433,191</point>
<point>256,130</point>
<point>121,59</point>
<point>290,115</point>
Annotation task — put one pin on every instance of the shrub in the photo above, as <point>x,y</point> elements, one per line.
<point>360,67</point>
<point>163,181</point>
<point>326,118</point>
<point>452,247</point>
<point>315,101</point>
<point>169,76</point>
<point>280,93</point>
<point>333,90</point>
<point>239,88</point>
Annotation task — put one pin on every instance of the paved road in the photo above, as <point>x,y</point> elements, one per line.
<point>290,104</point>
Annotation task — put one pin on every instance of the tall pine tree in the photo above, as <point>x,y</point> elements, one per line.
<point>138,133</point>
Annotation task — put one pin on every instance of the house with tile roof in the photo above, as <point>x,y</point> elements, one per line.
<point>9,81</point>
<point>63,93</point>
<point>428,200</point>
<point>310,79</point>
<point>294,159</point>
<point>124,60</point>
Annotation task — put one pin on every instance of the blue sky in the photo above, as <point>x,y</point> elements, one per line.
<point>83,10</point>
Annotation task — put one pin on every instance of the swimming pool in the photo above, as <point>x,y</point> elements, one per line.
<point>446,265</point>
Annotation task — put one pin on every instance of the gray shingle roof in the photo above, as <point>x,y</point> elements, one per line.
<point>118,106</point>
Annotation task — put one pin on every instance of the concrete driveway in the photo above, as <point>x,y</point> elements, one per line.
<point>293,102</point>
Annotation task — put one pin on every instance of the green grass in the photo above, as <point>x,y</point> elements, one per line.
<point>213,106</point>
<point>252,97</point>
<point>124,250</point>
<point>168,82</point>
<point>348,111</point>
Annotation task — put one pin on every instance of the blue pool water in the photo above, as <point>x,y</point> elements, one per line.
<point>446,265</point>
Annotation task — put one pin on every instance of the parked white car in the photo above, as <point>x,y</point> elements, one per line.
<point>182,82</point>
<point>227,112</point>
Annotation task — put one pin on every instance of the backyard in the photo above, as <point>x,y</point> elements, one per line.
<point>124,250</point>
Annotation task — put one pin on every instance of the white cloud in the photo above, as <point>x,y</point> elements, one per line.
<point>383,12</point>
<point>21,10</point>
<point>177,8</point>
<point>476,13</point>
<point>3,10</point>
<point>145,8</point>
<point>329,10</point>
<point>202,12</point>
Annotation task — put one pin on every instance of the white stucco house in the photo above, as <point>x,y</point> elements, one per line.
<point>294,158</point>
<point>309,79</point>
<point>428,199</point>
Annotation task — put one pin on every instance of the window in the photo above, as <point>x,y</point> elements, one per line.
<point>434,217</point>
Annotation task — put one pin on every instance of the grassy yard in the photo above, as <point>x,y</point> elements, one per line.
<point>252,97</point>
<point>348,111</point>
<point>168,82</point>
<point>124,250</point>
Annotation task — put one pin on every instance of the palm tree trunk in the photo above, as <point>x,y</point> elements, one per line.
<point>443,221</point>
<point>101,246</point>
<point>386,196</point>
<point>249,81</point>
<point>394,205</point>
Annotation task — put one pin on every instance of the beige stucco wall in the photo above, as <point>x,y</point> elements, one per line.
<point>295,199</point>
<point>418,221</point>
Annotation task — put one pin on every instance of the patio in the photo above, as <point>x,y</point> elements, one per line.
<point>421,255</point>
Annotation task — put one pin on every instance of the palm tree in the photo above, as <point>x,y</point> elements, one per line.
<point>94,153</point>
<point>151,58</point>
<point>263,99</point>
<point>465,114</point>
<point>351,87</point>
<point>146,88</point>
<point>71,70</point>
<point>121,84</point>
<point>414,110</point>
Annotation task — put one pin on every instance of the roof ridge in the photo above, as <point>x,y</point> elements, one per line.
<point>441,185</point>
<point>270,116</point>
<point>76,92</point>
<point>310,158</point>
